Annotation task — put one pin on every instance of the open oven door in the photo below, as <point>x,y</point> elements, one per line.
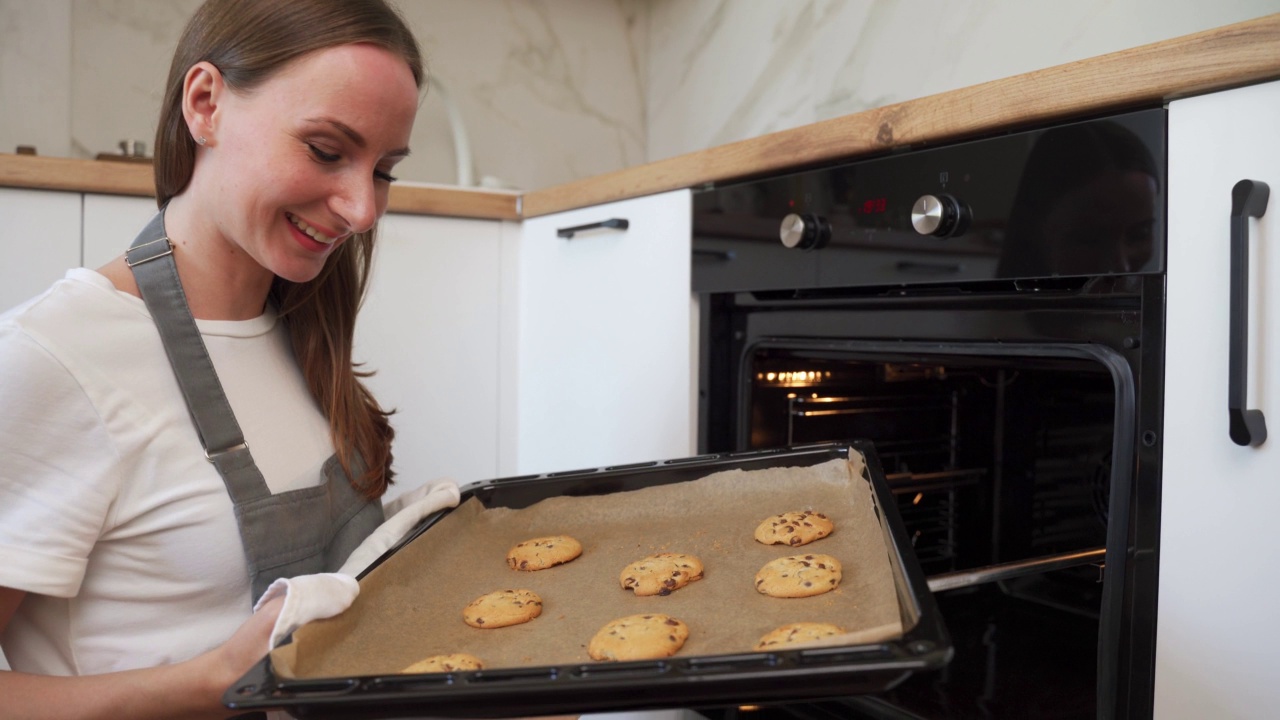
<point>1012,466</point>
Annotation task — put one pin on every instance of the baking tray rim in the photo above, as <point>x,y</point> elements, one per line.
<point>593,687</point>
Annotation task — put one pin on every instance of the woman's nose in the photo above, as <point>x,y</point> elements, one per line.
<point>356,202</point>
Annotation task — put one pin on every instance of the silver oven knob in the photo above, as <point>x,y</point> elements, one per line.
<point>804,231</point>
<point>938,215</point>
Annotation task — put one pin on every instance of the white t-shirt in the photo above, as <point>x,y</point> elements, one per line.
<point>111,518</point>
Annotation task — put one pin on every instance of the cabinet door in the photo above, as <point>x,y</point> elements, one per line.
<point>602,357</point>
<point>1218,635</point>
<point>429,329</point>
<point>111,222</point>
<point>39,240</point>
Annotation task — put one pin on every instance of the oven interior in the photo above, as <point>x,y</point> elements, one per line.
<point>994,461</point>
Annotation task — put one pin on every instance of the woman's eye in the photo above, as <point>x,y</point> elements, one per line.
<point>383,176</point>
<point>321,155</point>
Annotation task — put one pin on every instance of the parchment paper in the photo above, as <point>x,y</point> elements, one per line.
<point>410,607</point>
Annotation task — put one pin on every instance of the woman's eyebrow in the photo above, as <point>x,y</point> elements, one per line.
<point>356,137</point>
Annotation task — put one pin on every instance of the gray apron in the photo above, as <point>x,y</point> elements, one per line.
<point>299,532</point>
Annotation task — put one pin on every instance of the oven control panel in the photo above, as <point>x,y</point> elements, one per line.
<point>1074,200</point>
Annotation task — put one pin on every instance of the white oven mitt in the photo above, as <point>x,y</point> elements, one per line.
<point>323,595</point>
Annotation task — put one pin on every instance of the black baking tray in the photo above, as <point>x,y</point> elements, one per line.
<point>709,680</point>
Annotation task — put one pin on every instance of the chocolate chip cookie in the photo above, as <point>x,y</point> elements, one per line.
<point>796,634</point>
<point>544,552</point>
<point>445,663</point>
<point>660,574</point>
<point>638,637</point>
<point>796,528</point>
<point>797,576</point>
<point>502,608</point>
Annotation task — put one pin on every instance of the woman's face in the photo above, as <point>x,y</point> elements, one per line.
<point>303,161</point>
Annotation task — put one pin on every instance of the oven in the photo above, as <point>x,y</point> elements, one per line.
<point>990,315</point>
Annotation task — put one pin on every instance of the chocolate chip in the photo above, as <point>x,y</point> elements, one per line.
<point>671,621</point>
<point>664,591</point>
<point>795,541</point>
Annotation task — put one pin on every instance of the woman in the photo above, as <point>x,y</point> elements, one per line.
<point>136,528</point>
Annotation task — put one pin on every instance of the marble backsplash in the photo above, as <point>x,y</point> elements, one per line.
<point>557,90</point>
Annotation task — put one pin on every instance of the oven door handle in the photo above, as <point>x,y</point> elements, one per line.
<point>1247,427</point>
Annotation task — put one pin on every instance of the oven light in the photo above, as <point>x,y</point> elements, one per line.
<point>791,396</point>
<point>916,500</point>
<point>794,378</point>
<point>748,708</point>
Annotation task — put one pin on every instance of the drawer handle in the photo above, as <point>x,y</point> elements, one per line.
<point>725,255</point>
<point>615,223</point>
<point>1247,427</point>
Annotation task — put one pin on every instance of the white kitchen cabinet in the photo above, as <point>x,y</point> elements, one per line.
<point>429,329</point>
<point>597,350</point>
<point>39,241</point>
<point>111,222</point>
<point>1218,635</point>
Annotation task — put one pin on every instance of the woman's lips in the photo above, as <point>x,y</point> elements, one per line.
<point>310,236</point>
<point>319,234</point>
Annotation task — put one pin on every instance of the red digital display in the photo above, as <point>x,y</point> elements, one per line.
<point>873,206</point>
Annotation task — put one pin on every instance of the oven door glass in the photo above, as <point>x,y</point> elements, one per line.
<point>1006,464</point>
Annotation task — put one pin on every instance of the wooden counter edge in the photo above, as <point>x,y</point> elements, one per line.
<point>1147,75</point>
<point>112,177</point>
<point>455,202</point>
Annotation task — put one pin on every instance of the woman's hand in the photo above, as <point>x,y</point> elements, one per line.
<point>191,689</point>
<point>229,661</point>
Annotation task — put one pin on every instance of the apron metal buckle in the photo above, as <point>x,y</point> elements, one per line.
<point>149,255</point>
<point>210,454</point>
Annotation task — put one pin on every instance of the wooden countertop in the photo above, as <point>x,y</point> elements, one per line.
<point>134,178</point>
<point>1229,56</point>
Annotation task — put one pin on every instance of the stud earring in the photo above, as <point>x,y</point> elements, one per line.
<point>201,140</point>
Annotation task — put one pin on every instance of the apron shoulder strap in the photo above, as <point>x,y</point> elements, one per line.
<point>150,258</point>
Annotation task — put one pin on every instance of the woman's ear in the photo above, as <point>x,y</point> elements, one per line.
<point>202,93</point>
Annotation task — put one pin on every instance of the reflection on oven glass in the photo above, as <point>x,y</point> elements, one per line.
<point>1087,204</point>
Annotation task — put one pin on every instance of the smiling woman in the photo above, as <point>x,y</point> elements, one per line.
<point>137,531</point>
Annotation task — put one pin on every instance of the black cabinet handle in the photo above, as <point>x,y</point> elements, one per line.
<point>1248,199</point>
<point>615,223</point>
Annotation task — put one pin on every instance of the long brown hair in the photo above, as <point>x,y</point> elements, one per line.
<point>249,41</point>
